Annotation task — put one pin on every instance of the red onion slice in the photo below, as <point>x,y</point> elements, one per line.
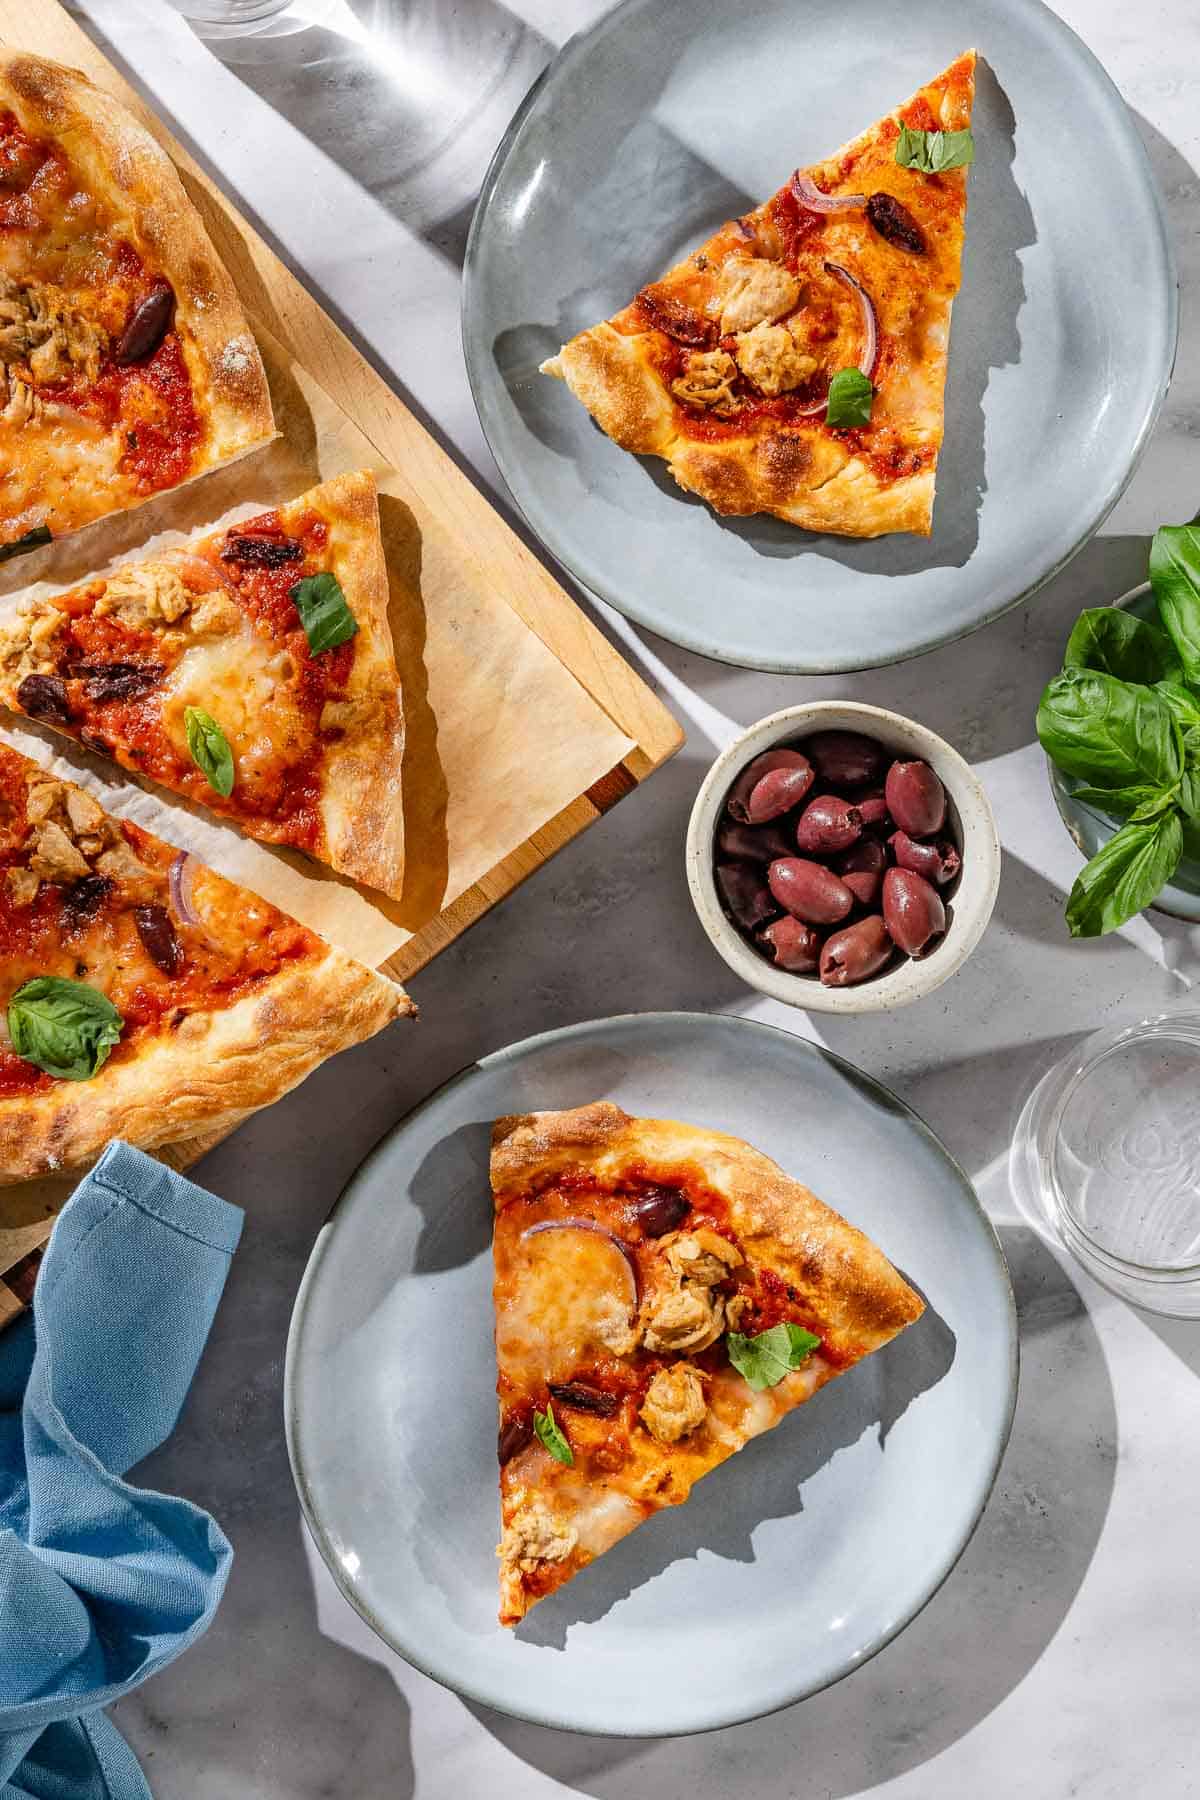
<point>180,877</point>
<point>597,1231</point>
<point>813,200</point>
<point>869,353</point>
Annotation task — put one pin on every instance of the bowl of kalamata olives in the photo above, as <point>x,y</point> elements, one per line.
<point>842,858</point>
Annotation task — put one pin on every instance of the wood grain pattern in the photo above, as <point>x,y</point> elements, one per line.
<point>273,295</point>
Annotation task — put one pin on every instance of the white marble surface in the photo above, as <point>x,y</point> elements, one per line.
<point>1059,1659</point>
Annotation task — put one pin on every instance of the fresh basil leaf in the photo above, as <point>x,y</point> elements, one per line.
<point>1108,732</point>
<point>1115,642</point>
<point>765,1359</point>
<point>1156,805</point>
<point>63,1027</point>
<point>210,749</point>
<point>1183,703</point>
<point>1189,794</point>
<point>1125,875</point>
<point>933,151</point>
<point>324,614</point>
<point>32,540</point>
<point>550,1437</point>
<point>1121,802</point>
<point>850,397</point>
<point>1175,578</point>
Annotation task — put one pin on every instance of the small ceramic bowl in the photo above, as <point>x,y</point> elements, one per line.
<point>969,821</point>
<point>1090,828</point>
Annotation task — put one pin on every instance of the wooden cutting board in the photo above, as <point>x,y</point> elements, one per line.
<point>439,494</point>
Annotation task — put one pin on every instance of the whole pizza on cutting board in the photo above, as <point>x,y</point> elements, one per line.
<point>663,1294</point>
<point>795,363</point>
<point>126,363</point>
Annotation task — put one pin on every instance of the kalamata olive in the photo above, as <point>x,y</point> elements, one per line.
<point>791,944</point>
<point>585,1399</point>
<point>745,893</point>
<point>117,680</point>
<point>159,938</point>
<point>45,697</point>
<point>873,808</point>
<point>895,223</point>
<point>916,798</point>
<point>844,758</point>
<point>145,328</point>
<point>515,1433</point>
<point>861,868</point>
<point>752,843</point>
<point>738,798</point>
<point>855,953</point>
<point>777,792</point>
<point>261,552</point>
<point>659,1210</point>
<point>938,861</point>
<point>809,891</point>
<point>912,911</point>
<point>828,823</point>
<point>83,900</point>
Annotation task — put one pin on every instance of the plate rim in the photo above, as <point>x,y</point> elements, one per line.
<point>507,1053</point>
<point>593,581</point>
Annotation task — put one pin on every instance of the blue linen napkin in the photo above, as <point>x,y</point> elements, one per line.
<point>102,1584</point>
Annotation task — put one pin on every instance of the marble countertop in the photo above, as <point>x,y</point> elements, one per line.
<point>1059,1658</point>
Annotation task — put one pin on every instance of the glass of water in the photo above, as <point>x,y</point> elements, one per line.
<point>1106,1156</point>
<point>229,15</point>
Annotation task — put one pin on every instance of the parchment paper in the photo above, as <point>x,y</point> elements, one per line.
<point>500,737</point>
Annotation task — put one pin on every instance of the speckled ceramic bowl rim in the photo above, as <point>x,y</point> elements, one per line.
<point>1169,912</point>
<point>629,601</point>
<point>972,901</point>
<point>878,1091</point>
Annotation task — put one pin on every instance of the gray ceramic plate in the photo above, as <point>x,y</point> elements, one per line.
<point>787,1567</point>
<point>671,115</point>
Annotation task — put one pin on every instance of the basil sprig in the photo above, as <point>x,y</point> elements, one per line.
<point>324,614</point>
<point>210,749</point>
<point>550,1437</point>
<point>934,151</point>
<point>64,1027</point>
<point>765,1359</point>
<point>33,539</point>
<point>1123,721</point>
<point>849,401</point>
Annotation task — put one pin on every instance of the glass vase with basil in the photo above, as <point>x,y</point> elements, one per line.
<point>1122,722</point>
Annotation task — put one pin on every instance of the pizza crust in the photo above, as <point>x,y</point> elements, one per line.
<point>362,792</point>
<point>122,163</point>
<point>800,471</point>
<point>216,1068</point>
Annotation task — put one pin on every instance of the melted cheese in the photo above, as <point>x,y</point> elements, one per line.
<point>245,684</point>
<point>567,1294</point>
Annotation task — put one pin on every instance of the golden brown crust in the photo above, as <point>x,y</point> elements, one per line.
<point>227,1064</point>
<point>361,800</point>
<point>845,1279</point>
<point>861,483</point>
<point>122,164</point>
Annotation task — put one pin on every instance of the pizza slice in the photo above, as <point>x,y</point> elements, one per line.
<point>145,996</point>
<point>126,364</point>
<point>663,1294</point>
<point>795,363</point>
<point>252,671</point>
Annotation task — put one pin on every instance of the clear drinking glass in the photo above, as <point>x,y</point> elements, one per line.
<point>1107,1157</point>
<point>230,15</point>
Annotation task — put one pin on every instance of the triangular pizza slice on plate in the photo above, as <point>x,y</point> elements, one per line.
<point>252,670</point>
<point>663,1294</point>
<point>795,363</point>
<point>143,995</point>
<point>126,363</point>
